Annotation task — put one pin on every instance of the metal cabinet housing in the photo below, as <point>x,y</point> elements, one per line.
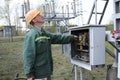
<point>95,49</point>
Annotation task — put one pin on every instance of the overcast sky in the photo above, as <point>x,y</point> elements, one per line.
<point>86,6</point>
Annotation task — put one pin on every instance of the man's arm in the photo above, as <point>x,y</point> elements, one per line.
<point>62,38</point>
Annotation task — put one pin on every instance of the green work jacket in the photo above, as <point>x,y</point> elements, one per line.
<point>37,57</point>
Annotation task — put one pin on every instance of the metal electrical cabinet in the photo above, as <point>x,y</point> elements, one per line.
<point>116,8</point>
<point>89,50</point>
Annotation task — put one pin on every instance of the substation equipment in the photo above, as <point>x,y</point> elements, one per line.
<point>117,34</point>
<point>90,50</point>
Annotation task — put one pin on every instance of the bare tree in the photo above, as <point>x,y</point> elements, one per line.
<point>5,16</point>
<point>5,12</point>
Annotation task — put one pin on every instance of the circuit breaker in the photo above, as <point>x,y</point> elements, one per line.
<point>89,50</point>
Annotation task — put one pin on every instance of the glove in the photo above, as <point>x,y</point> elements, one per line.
<point>76,38</point>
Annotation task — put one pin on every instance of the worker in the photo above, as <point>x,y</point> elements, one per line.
<point>37,57</point>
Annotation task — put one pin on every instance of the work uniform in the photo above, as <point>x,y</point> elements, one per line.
<point>37,55</point>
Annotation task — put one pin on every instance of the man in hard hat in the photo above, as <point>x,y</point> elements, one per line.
<point>37,57</point>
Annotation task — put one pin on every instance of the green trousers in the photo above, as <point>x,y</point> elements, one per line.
<point>49,78</point>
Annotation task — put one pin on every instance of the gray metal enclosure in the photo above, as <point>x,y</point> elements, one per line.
<point>9,31</point>
<point>117,33</point>
<point>89,51</point>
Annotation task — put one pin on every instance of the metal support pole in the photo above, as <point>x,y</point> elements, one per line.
<point>108,67</point>
<point>81,73</point>
<point>118,69</point>
<point>58,27</point>
<point>75,72</point>
<point>91,12</point>
<point>96,12</point>
<point>103,11</point>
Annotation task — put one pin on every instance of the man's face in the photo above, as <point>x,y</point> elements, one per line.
<point>38,19</point>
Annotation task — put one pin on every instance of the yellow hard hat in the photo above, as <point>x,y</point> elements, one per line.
<point>32,14</point>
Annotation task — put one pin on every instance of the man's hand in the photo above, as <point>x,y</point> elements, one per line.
<point>75,38</point>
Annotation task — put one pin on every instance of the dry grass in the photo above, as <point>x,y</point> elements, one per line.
<point>11,63</point>
<point>10,60</point>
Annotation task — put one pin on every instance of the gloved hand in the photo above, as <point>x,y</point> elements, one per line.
<point>75,38</point>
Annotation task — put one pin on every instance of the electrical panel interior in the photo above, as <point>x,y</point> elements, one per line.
<point>81,46</point>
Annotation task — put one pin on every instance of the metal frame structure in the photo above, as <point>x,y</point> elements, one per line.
<point>50,13</point>
<point>60,17</point>
<point>117,37</point>
<point>115,42</point>
<point>94,11</point>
